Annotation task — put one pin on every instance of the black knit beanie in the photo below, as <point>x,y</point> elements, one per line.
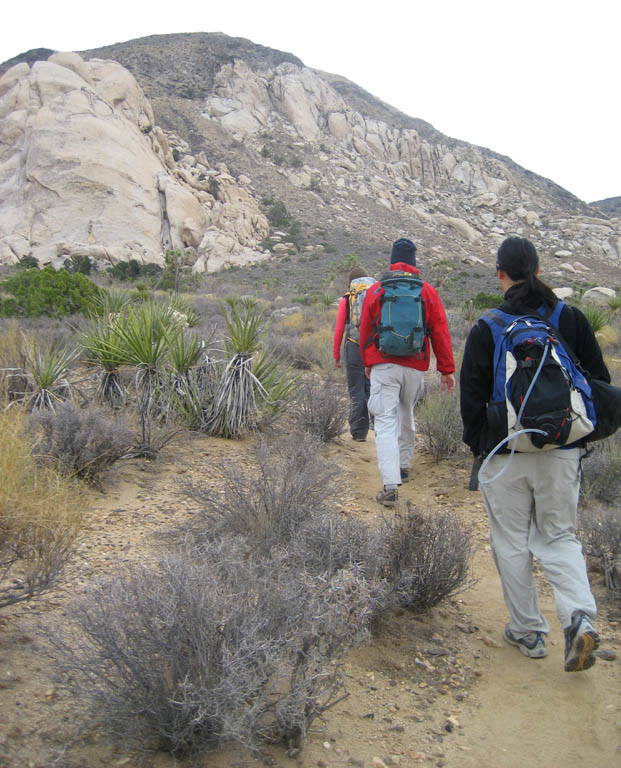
<point>518,257</point>
<point>403,250</point>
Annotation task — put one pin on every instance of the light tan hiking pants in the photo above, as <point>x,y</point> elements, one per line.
<point>394,392</point>
<point>532,513</point>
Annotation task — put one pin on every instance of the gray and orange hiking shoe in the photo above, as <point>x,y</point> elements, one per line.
<point>532,645</point>
<point>388,497</point>
<point>581,640</point>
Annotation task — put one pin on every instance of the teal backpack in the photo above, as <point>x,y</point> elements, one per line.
<point>400,328</point>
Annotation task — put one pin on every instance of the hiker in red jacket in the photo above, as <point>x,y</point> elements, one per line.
<point>397,381</point>
<point>348,327</point>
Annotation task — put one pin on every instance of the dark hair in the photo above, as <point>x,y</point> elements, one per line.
<point>518,258</point>
<point>354,273</point>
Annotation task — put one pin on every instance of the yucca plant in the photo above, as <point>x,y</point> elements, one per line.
<point>46,372</point>
<point>277,381</point>
<point>233,410</point>
<point>596,315</point>
<point>101,346</point>
<point>243,325</point>
<point>110,303</point>
<point>191,316</point>
<point>141,337</point>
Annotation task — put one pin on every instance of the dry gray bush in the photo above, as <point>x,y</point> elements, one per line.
<point>438,419</point>
<point>602,471</point>
<point>321,409</point>
<point>265,503</point>
<point>82,443</point>
<point>429,558</point>
<point>205,651</point>
<point>600,533</point>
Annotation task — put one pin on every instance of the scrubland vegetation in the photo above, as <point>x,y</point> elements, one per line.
<point>237,633</point>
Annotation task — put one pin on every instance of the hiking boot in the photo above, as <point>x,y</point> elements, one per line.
<point>359,438</point>
<point>532,645</point>
<point>581,640</point>
<point>388,497</point>
<point>405,475</point>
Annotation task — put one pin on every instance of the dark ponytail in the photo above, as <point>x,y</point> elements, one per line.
<point>518,258</point>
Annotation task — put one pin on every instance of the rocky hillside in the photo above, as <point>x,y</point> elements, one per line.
<point>611,206</point>
<point>190,140</point>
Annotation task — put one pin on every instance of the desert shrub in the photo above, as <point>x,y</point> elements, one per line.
<point>82,443</point>
<point>602,471</point>
<point>39,516</point>
<point>265,503</point>
<point>79,263</point>
<point>327,542</point>
<point>429,558</point>
<point>320,408</point>
<point>438,419</point>
<point>600,533</point>
<point>483,300</point>
<point>202,652</point>
<point>33,292</point>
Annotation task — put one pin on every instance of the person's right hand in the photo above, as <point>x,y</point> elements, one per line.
<point>337,363</point>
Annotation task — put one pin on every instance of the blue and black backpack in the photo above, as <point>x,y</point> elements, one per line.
<point>400,328</point>
<point>541,397</point>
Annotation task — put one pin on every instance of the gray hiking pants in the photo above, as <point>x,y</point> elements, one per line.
<point>358,387</point>
<point>532,513</point>
<point>394,392</point>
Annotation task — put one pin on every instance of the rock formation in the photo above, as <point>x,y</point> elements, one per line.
<point>88,164</point>
<point>85,171</point>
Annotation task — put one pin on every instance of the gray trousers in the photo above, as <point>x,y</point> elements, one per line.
<point>358,387</point>
<point>532,511</point>
<point>394,392</point>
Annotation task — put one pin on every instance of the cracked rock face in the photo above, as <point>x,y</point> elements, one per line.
<point>84,170</point>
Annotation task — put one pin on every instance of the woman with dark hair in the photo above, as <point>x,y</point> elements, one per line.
<point>532,498</point>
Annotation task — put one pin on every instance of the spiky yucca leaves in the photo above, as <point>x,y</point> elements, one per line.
<point>243,324</point>
<point>191,316</point>
<point>47,367</point>
<point>250,375</point>
<point>101,346</point>
<point>111,303</point>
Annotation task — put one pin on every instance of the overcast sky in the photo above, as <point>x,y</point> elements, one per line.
<point>535,80</point>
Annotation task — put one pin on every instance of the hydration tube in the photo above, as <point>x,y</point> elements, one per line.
<point>519,432</point>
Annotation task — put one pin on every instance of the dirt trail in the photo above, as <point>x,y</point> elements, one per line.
<point>437,690</point>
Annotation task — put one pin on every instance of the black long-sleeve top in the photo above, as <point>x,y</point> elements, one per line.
<point>476,378</point>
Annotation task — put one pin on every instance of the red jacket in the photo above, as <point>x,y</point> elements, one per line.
<point>437,328</point>
<point>339,328</point>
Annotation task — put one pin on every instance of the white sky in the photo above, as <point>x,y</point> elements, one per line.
<point>537,80</point>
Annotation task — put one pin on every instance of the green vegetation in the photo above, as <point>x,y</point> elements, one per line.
<point>33,292</point>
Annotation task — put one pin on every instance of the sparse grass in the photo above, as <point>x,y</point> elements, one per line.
<point>40,515</point>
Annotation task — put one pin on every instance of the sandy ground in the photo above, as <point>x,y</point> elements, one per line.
<point>441,690</point>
